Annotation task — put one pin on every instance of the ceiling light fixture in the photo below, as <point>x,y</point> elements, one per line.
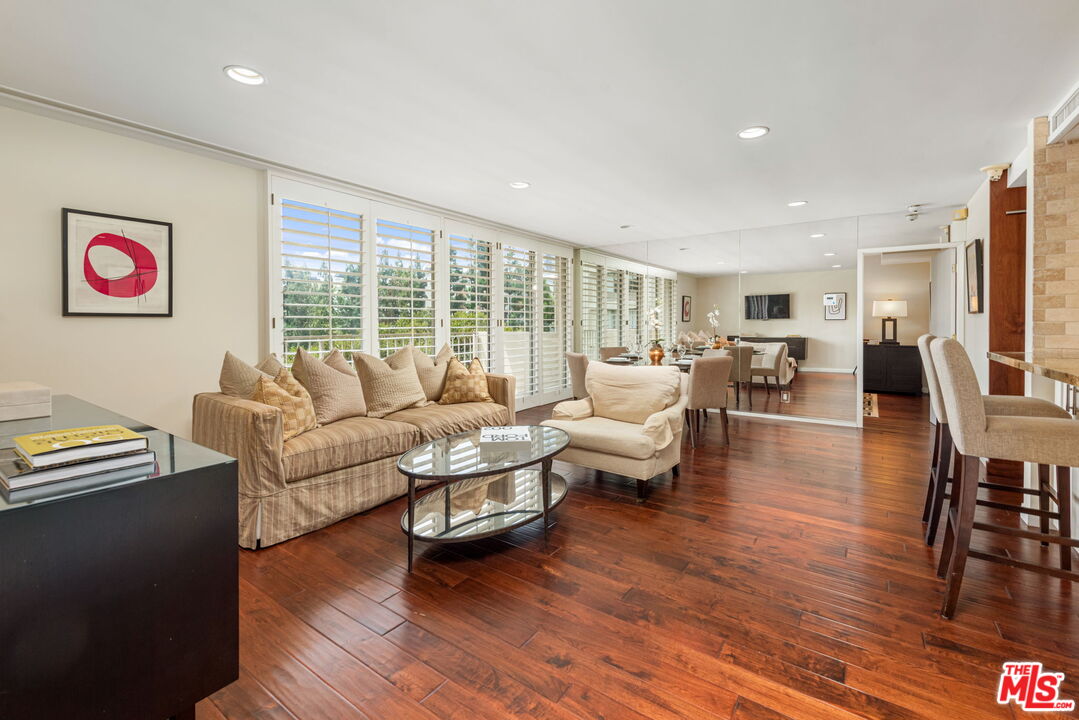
<point>744,272</point>
<point>752,133</point>
<point>620,227</point>
<point>520,184</point>
<point>837,266</point>
<point>798,203</point>
<point>829,254</point>
<point>244,75</point>
<point>817,235</point>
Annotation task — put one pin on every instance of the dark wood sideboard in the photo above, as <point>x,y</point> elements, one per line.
<point>122,601</point>
<point>797,347</point>
<point>891,369</point>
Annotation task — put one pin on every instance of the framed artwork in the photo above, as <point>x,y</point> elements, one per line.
<point>687,308</point>
<point>835,306</point>
<point>975,285</point>
<point>115,265</point>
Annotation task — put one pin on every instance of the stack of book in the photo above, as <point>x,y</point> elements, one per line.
<point>63,461</point>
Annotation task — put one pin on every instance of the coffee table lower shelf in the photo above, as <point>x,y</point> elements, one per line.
<point>475,508</point>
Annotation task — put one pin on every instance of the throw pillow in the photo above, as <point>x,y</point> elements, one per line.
<point>335,389</point>
<point>238,378</point>
<point>631,394</point>
<point>389,385</point>
<point>465,384</point>
<point>432,371</point>
<point>285,393</point>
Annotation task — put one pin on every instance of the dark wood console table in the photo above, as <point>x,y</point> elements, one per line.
<point>890,368</point>
<point>121,601</point>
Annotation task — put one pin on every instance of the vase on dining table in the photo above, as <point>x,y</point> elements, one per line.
<point>655,354</point>
<point>719,343</point>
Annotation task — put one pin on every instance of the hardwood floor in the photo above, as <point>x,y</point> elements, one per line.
<point>822,395</point>
<point>784,577</point>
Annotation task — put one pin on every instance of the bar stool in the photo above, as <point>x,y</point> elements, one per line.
<point>939,468</point>
<point>708,378</point>
<point>1040,440</point>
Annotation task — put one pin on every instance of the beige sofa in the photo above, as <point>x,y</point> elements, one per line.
<point>630,424</point>
<point>337,470</point>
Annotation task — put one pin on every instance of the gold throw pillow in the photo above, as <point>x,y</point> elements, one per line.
<point>389,385</point>
<point>465,384</point>
<point>335,389</point>
<point>286,393</point>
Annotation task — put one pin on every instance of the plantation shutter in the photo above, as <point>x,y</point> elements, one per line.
<point>557,330</point>
<point>471,266</point>
<point>519,327</point>
<point>405,286</point>
<point>591,274</point>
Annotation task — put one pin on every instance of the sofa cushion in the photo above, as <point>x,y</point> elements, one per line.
<point>631,394</point>
<point>345,443</point>
<point>391,384</point>
<point>465,384</point>
<point>607,436</point>
<point>238,379</point>
<point>287,394</point>
<point>432,370</point>
<point>333,385</point>
<point>435,421</point>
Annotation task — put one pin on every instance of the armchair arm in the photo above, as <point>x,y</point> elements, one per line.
<point>573,409</point>
<point>664,425</point>
<point>248,431</point>
<point>503,389</point>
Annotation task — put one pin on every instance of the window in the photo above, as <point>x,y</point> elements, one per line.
<point>557,337</point>
<point>589,320</point>
<point>405,283</point>
<point>519,356</point>
<point>471,267</point>
<point>321,265</point>
<point>611,329</point>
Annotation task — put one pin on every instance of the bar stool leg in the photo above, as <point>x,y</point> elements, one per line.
<point>964,503</point>
<point>949,524</point>
<point>940,483</point>
<point>932,469</point>
<point>1064,506</point>
<point>1043,500</point>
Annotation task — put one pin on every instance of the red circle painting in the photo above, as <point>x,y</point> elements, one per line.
<point>137,282</point>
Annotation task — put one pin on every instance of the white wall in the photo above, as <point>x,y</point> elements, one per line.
<point>147,368</point>
<point>832,344</point>
<point>899,281</point>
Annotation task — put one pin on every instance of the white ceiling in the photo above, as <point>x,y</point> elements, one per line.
<point>617,111</point>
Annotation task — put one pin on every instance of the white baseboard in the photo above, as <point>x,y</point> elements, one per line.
<point>848,371</point>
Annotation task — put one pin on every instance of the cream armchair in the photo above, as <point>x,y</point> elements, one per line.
<point>630,424</point>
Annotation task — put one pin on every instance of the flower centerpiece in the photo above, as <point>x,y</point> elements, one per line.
<point>713,320</point>
<point>655,320</point>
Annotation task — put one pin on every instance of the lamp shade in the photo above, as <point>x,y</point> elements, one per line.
<point>890,308</point>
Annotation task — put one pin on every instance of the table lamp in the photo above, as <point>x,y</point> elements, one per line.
<point>888,310</point>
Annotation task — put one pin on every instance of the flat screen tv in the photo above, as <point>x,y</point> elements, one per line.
<point>768,307</point>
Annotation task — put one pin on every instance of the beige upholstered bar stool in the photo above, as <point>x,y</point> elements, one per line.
<point>1040,440</point>
<point>578,366</point>
<point>708,377</point>
<point>942,444</point>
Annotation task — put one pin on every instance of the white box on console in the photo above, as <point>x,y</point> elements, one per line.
<point>21,399</point>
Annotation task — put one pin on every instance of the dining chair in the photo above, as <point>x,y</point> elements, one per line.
<point>941,463</point>
<point>741,370</point>
<point>578,365</point>
<point>708,377</point>
<point>772,364</point>
<point>976,434</point>
<point>606,353</point>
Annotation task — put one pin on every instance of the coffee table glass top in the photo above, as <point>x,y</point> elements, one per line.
<point>462,456</point>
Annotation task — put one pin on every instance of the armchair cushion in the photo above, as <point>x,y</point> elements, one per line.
<point>604,435</point>
<point>663,426</point>
<point>573,409</point>
<point>631,394</point>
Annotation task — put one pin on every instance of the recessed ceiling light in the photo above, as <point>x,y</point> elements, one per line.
<point>683,249</point>
<point>620,227</point>
<point>837,266</point>
<point>520,184</point>
<point>817,235</point>
<point>244,75</point>
<point>752,133</point>
<point>721,262</point>
<point>744,272</point>
<point>798,203</point>
<point>829,254</point>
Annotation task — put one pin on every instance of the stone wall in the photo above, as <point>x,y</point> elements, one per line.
<point>1056,242</point>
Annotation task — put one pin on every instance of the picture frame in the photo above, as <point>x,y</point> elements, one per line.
<point>975,277</point>
<point>835,306</point>
<point>687,308</point>
<point>114,265</point>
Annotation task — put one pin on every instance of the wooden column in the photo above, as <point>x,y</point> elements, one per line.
<point>1006,263</point>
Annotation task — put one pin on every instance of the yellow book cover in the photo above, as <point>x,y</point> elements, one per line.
<point>43,443</point>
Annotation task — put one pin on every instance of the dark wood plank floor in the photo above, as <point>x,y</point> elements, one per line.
<point>812,394</point>
<point>784,577</point>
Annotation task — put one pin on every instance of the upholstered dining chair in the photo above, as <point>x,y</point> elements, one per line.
<point>578,364</point>
<point>772,364</point>
<point>976,434</point>
<point>708,377</point>
<point>606,353</point>
<point>741,370</point>
<point>941,463</point>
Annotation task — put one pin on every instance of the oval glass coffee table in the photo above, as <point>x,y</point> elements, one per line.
<point>485,489</point>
